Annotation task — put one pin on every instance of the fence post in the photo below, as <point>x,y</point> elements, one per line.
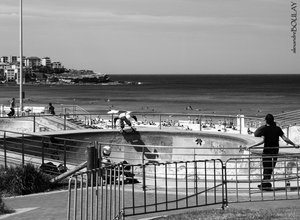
<point>200,122</point>
<point>159,121</point>
<point>5,154</point>
<point>91,160</point>
<point>43,150</point>
<point>99,149</point>
<point>65,154</point>
<point>23,151</point>
<point>65,122</point>
<point>144,175</point>
<point>91,163</point>
<point>224,186</point>
<point>34,122</point>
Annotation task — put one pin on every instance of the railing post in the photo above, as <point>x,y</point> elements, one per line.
<point>5,154</point>
<point>224,186</point>
<point>159,121</point>
<point>200,122</point>
<point>91,152</point>
<point>23,151</point>
<point>91,163</point>
<point>34,122</point>
<point>65,154</point>
<point>144,175</point>
<point>65,122</point>
<point>43,150</point>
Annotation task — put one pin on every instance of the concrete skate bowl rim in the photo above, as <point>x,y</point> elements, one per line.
<point>235,138</point>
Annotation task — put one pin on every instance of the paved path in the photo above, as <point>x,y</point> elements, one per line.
<point>53,206</point>
<point>45,206</point>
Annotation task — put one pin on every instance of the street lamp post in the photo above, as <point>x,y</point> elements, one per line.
<point>21,56</point>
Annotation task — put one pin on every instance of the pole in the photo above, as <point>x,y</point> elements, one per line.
<point>21,56</point>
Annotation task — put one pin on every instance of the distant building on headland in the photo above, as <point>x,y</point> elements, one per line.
<point>56,65</point>
<point>10,67</point>
<point>46,61</point>
<point>32,61</point>
<point>42,70</point>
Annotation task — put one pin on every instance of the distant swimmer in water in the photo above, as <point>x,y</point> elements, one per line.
<point>125,117</point>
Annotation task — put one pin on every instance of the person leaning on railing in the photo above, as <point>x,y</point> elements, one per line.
<point>270,133</point>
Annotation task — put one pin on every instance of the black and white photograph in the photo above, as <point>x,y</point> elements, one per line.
<point>150,110</point>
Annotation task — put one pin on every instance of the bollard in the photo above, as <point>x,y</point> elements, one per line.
<point>91,164</point>
<point>91,157</point>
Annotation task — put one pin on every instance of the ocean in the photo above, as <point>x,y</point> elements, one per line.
<point>251,95</point>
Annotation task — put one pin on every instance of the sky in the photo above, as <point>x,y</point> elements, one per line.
<point>155,36</point>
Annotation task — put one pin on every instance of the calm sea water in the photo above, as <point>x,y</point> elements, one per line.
<point>219,94</point>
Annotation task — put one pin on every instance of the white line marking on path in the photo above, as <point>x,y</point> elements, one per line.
<point>18,211</point>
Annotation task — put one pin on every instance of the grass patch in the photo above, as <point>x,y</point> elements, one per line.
<point>233,213</point>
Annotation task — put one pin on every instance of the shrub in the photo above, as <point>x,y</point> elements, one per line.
<point>22,180</point>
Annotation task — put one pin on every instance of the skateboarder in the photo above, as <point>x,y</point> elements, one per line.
<point>125,117</point>
<point>270,133</point>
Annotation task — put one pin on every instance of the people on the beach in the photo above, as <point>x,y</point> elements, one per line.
<point>270,133</point>
<point>51,109</point>
<point>12,108</point>
<point>125,117</point>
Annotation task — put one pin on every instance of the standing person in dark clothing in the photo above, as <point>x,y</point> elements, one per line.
<point>12,107</point>
<point>270,133</point>
<point>51,109</point>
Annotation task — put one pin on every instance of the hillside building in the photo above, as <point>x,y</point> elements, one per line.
<point>46,61</point>
<point>56,65</point>
<point>10,74</point>
<point>4,59</point>
<point>13,59</point>
<point>32,61</point>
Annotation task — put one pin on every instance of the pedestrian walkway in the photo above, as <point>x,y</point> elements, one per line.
<point>53,206</point>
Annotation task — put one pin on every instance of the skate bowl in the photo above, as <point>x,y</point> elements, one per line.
<point>162,146</point>
<point>154,147</point>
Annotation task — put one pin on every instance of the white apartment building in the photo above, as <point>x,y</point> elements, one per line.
<point>56,65</point>
<point>18,58</point>
<point>13,59</point>
<point>46,61</point>
<point>4,65</point>
<point>4,59</point>
<point>10,74</point>
<point>32,61</point>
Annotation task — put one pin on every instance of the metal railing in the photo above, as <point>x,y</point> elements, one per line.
<point>163,187</point>
<point>74,117</point>
<point>246,177</point>
<point>108,193</point>
<point>19,149</point>
<point>74,114</point>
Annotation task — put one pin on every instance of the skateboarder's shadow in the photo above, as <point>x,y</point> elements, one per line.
<point>134,138</point>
